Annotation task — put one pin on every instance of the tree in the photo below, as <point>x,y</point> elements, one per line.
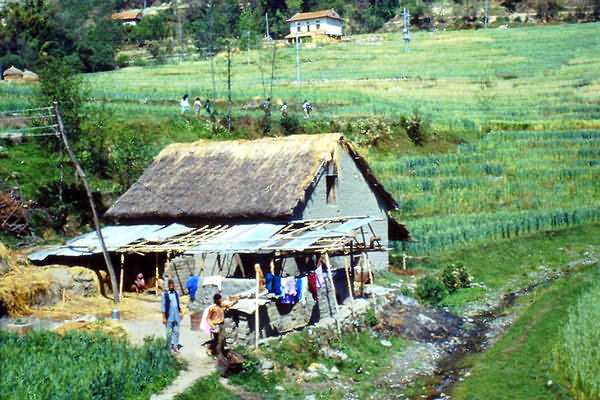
<point>154,27</point>
<point>59,82</point>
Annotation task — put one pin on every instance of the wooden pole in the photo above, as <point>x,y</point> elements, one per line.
<point>109,266</point>
<point>371,278</point>
<point>349,285</point>
<point>202,265</point>
<point>256,317</point>
<point>121,281</point>
<point>362,272</point>
<point>272,266</point>
<point>157,274</point>
<point>328,263</point>
<point>169,265</point>
<point>404,261</point>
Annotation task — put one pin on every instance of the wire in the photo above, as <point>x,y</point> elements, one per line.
<point>34,128</point>
<point>26,110</point>
<point>10,135</point>
<point>18,118</point>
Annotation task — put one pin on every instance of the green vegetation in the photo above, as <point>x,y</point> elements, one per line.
<point>576,357</point>
<point>44,365</point>
<point>519,365</point>
<point>206,387</point>
<point>508,184</point>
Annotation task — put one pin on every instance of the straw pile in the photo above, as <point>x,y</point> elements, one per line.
<point>5,260</point>
<point>107,326</point>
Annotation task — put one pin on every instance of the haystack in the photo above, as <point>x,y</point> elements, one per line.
<point>5,260</point>
<point>29,76</point>
<point>13,74</point>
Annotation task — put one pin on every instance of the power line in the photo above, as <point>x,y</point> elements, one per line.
<point>25,110</point>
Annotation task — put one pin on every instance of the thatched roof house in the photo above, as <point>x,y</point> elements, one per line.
<point>13,74</point>
<point>271,179</point>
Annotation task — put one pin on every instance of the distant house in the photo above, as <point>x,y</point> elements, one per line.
<point>324,22</point>
<point>128,17</point>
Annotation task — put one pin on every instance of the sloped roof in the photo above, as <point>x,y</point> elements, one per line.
<point>127,16</point>
<point>12,71</point>
<point>331,13</point>
<point>263,179</point>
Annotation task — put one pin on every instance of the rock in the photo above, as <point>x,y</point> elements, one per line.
<point>335,370</point>
<point>268,365</point>
<point>279,388</point>
<point>425,320</point>
<point>406,301</point>
<point>335,354</point>
<point>385,343</point>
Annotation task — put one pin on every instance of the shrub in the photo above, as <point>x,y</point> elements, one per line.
<point>123,60</point>
<point>455,276</point>
<point>416,127</point>
<point>431,290</point>
<point>290,124</point>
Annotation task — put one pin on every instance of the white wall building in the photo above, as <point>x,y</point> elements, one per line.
<point>325,22</point>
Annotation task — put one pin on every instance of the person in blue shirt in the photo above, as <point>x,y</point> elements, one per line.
<point>192,285</point>
<point>171,311</point>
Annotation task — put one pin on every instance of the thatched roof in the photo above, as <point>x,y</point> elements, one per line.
<point>261,179</point>
<point>30,76</point>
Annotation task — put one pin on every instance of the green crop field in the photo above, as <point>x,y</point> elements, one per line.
<point>507,184</point>
<point>532,78</point>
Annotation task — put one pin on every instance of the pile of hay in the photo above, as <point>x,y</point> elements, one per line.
<point>19,290</point>
<point>5,260</point>
<point>107,326</point>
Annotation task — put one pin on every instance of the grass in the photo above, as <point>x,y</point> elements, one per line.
<point>208,387</point>
<point>519,365</point>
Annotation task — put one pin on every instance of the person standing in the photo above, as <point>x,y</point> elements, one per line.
<point>197,106</point>
<point>171,311</point>
<point>307,109</point>
<point>185,103</point>
<point>207,106</point>
<point>284,109</point>
<point>215,317</point>
<point>192,286</point>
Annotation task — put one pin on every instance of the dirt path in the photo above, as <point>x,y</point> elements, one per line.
<point>199,364</point>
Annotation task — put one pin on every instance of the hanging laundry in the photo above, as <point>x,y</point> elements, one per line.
<point>290,286</point>
<point>312,285</point>
<point>269,280</point>
<point>277,285</point>
<point>304,288</point>
<point>299,291</point>
<point>319,273</point>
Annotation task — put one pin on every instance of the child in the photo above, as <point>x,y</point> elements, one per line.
<point>185,103</point>
<point>197,106</point>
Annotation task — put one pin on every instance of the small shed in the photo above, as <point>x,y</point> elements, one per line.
<point>128,17</point>
<point>311,24</point>
<point>13,74</point>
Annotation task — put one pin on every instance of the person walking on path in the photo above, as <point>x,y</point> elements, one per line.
<point>197,106</point>
<point>284,109</point>
<point>192,285</point>
<point>185,103</point>
<point>171,311</point>
<point>207,106</point>
<point>215,318</point>
<point>307,109</point>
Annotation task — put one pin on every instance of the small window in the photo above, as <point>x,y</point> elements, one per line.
<point>307,27</point>
<point>318,25</point>
<point>299,28</point>
<point>331,183</point>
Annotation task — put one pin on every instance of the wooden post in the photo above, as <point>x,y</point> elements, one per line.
<point>272,266</point>
<point>256,310</point>
<point>169,265</point>
<point>202,265</point>
<point>404,261</point>
<point>156,274</point>
<point>109,266</point>
<point>328,263</point>
<point>371,278</point>
<point>349,285</point>
<point>121,282</point>
<point>362,272</point>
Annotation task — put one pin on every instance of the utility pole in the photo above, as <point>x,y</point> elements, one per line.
<point>267,23</point>
<point>248,46</point>
<point>297,63</point>
<point>229,85</point>
<point>485,17</point>
<point>109,266</point>
<point>406,30</point>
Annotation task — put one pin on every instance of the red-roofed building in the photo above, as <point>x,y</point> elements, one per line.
<point>324,22</point>
<point>128,17</point>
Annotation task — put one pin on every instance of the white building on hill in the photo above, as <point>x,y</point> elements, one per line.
<point>324,22</point>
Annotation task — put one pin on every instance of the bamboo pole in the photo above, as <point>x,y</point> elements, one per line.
<point>109,266</point>
<point>202,265</point>
<point>156,274</point>
<point>169,265</point>
<point>349,285</point>
<point>256,321</point>
<point>404,261</point>
<point>328,263</point>
<point>122,267</point>
<point>371,278</point>
<point>362,273</point>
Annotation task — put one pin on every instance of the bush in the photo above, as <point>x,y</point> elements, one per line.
<point>431,290</point>
<point>416,127</point>
<point>123,60</point>
<point>455,276</point>
<point>290,124</point>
